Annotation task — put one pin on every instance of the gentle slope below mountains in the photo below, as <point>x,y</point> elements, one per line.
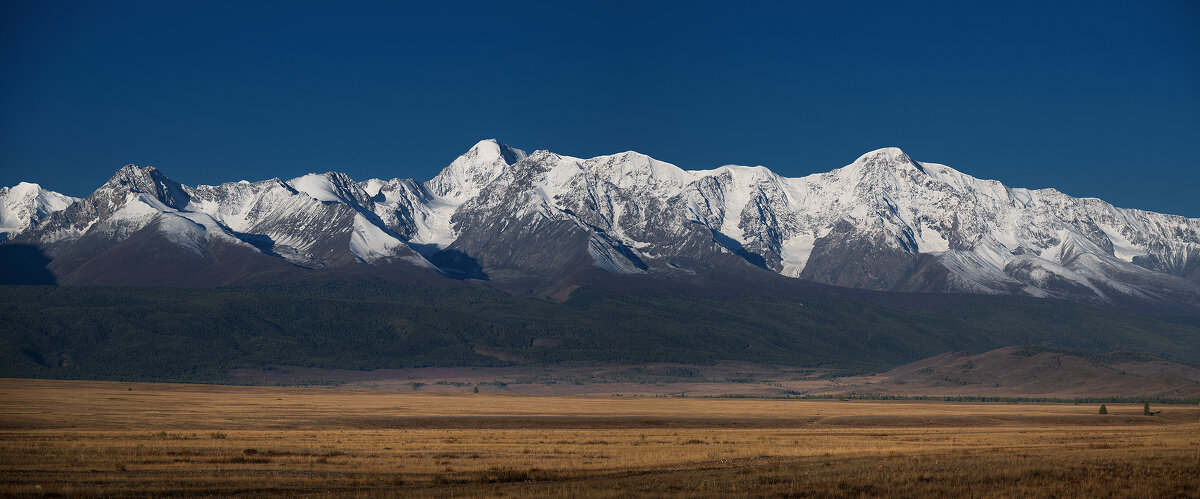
<point>201,334</point>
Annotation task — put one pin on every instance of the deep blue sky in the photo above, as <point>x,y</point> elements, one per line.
<point>1094,98</point>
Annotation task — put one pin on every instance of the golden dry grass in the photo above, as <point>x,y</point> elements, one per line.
<point>100,438</point>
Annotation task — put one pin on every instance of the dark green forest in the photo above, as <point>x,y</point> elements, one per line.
<point>171,334</point>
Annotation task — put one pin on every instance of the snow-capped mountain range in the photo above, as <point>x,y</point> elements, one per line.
<point>883,222</point>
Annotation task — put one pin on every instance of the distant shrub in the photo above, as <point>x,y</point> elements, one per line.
<point>1103,410</point>
<point>1146,408</point>
<point>216,435</point>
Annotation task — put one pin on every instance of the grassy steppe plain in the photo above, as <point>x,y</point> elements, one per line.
<point>131,439</point>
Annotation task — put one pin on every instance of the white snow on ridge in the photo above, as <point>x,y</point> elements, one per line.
<point>373,186</point>
<point>370,243</point>
<point>24,205</point>
<point>1122,247</point>
<point>608,258</point>
<point>795,253</point>
<point>433,224</point>
<point>188,229</point>
<point>184,232</point>
<point>318,186</point>
<point>466,175</point>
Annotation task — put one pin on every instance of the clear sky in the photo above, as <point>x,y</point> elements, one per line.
<point>1093,98</point>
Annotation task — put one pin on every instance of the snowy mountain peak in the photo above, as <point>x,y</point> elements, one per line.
<point>754,173</point>
<point>467,174</point>
<point>541,156</point>
<point>331,187</point>
<point>24,189</point>
<point>631,168</point>
<point>887,158</point>
<point>25,205</point>
<point>490,150</point>
<point>132,173</point>
<point>889,154</point>
<point>148,180</point>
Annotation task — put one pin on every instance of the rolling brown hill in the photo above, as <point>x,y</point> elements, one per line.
<point>1034,372</point>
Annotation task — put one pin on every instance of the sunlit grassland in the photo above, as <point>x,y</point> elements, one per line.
<point>98,438</point>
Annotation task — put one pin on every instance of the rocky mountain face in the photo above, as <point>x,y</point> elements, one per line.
<point>884,222</point>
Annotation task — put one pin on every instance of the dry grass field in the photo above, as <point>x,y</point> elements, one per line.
<point>74,438</point>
